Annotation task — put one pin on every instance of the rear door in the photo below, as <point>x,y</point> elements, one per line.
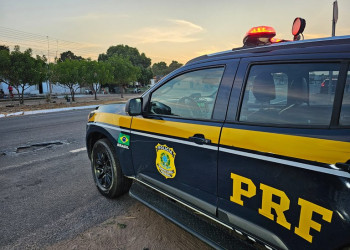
<point>278,172</point>
<point>175,144</point>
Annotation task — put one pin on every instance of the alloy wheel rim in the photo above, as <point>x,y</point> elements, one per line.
<point>103,170</point>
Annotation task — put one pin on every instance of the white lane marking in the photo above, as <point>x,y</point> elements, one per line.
<point>77,150</point>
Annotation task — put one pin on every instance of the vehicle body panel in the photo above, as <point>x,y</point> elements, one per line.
<point>282,168</point>
<point>110,121</point>
<point>196,165</point>
<point>276,183</point>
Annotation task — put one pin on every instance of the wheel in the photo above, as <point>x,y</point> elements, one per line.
<point>106,170</point>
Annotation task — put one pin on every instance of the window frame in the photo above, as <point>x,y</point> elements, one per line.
<point>335,115</point>
<point>339,95</point>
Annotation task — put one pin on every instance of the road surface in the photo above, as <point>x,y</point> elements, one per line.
<point>47,192</point>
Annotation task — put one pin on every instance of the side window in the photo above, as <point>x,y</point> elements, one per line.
<point>296,94</point>
<point>345,109</point>
<point>191,95</point>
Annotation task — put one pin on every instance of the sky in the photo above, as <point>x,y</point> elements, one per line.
<point>163,30</point>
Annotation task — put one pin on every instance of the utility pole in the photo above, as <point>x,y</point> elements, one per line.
<point>335,16</point>
<point>48,64</point>
<point>56,51</point>
<point>334,22</point>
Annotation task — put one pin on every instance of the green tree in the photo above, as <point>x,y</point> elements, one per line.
<point>67,74</point>
<point>24,71</point>
<point>42,70</point>
<point>5,63</point>
<point>4,47</point>
<point>145,76</point>
<point>139,60</point>
<point>104,73</point>
<point>69,55</point>
<point>93,74</point>
<point>123,71</point>
<point>173,66</point>
<point>83,68</point>
<point>159,69</point>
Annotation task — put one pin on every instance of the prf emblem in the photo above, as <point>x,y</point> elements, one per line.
<point>165,161</point>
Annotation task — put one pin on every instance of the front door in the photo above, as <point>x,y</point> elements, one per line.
<point>175,147</point>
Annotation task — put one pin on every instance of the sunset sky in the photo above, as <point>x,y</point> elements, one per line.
<point>163,30</point>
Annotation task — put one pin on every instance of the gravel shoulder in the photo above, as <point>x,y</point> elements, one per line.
<point>137,228</point>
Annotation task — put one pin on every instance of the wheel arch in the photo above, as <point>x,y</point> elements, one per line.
<point>93,136</point>
<point>95,133</point>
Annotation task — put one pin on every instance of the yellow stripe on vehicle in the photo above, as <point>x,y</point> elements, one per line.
<point>113,119</point>
<point>306,148</point>
<point>176,129</point>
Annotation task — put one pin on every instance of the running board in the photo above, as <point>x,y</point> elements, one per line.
<point>209,232</point>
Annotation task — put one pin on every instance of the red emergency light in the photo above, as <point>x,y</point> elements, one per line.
<point>259,36</point>
<point>277,40</point>
<point>298,27</point>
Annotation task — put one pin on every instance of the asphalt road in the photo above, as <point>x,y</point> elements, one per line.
<point>47,192</point>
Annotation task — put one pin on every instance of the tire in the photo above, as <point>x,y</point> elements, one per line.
<point>106,170</point>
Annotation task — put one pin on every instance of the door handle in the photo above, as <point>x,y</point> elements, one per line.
<point>199,139</point>
<point>344,166</point>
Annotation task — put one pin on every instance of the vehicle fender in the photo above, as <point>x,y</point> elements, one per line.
<point>95,132</point>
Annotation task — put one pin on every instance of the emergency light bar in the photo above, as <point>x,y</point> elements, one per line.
<point>260,35</point>
<point>264,35</point>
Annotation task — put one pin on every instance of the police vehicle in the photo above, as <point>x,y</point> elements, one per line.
<point>239,145</point>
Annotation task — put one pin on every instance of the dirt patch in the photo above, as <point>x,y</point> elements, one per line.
<point>7,107</point>
<point>138,228</point>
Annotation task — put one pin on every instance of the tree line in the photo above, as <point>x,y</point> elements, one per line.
<point>119,66</point>
<point>20,69</point>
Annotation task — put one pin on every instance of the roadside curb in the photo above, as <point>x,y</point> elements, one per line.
<point>47,111</point>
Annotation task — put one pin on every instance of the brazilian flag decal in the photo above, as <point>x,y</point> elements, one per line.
<point>124,139</point>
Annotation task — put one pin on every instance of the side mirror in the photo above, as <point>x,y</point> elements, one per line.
<point>134,106</point>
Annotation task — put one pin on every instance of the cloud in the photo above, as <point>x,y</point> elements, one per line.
<point>174,31</point>
<point>188,24</point>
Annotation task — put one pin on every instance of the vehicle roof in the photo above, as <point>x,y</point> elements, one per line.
<point>321,45</point>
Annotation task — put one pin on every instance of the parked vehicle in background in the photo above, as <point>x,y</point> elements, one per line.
<point>328,85</point>
<point>137,90</point>
<point>88,92</point>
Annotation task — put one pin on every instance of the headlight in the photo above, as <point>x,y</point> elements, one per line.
<point>91,114</point>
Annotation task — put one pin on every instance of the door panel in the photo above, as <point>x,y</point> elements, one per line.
<point>277,173</point>
<point>175,145</point>
<point>194,169</point>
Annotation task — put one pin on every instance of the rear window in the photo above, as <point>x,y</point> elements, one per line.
<point>296,94</point>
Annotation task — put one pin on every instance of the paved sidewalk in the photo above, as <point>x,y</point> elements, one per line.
<point>30,106</point>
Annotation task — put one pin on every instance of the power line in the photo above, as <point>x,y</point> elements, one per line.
<point>39,44</point>
<point>28,35</point>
